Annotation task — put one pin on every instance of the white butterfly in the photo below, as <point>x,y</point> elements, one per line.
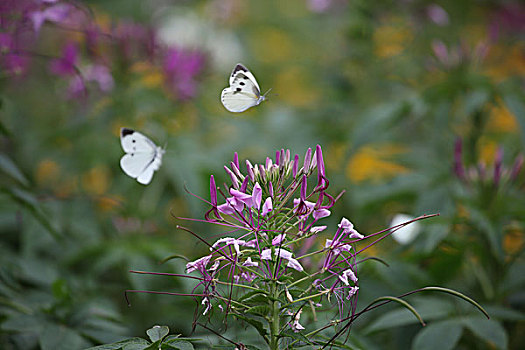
<point>142,157</point>
<point>243,92</point>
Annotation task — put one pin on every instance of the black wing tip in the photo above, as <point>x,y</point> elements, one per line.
<point>126,132</point>
<point>239,67</point>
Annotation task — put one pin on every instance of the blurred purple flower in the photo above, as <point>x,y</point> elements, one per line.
<point>180,70</point>
<point>66,64</point>
<point>135,40</point>
<point>6,43</point>
<point>101,75</point>
<point>437,15</point>
<point>319,5</point>
<point>440,51</point>
<point>55,13</point>
<point>95,73</point>
<point>479,174</point>
<point>509,18</point>
<point>15,64</point>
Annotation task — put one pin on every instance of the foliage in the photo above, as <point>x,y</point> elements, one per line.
<point>388,88</point>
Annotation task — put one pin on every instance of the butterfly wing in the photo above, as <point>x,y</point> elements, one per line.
<point>133,141</point>
<point>243,93</point>
<point>238,101</point>
<point>142,156</point>
<point>241,72</point>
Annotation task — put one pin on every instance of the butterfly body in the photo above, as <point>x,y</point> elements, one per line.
<point>243,92</point>
<point>143,157</point>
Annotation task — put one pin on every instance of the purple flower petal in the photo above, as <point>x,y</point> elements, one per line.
<point>321,213</point>
<point>257,195</point>
<point>278,239</point>
<point>267,206</point>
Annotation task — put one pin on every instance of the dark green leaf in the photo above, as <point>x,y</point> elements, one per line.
<point>8,167</point>
<point>258,325</point>
<point>458,294</point>
<point>178,344</point>
<point>55,337</point>
<point>260,310</point>
<point>128,344</point>
<point>490,331</point>
<point>428,308</point>
<point>517,106</point>
<point>442,335</point>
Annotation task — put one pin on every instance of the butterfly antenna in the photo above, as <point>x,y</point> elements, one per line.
<point>266,93</point>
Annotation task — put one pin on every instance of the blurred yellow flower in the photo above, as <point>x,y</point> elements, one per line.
<point>271,45</point>
<point>390,40</point>
<point>47,172</point>
<point>501,119</point>
<point>504,62</point>
<point>150,76</point>
<point>297,88</point>
<point>109,203</point>
<point>487,151</point>
<point>96,181</point>
<point>372,164</point>
<point>513,241</point>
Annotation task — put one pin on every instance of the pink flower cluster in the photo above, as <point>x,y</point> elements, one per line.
<point>92,60</point>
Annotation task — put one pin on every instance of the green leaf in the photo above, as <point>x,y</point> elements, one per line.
<point>128,344</point>
<point>178,344</point>
<point>428,308</point>
<point>259,310</point>
<point>258,325</point>
<point>442,335</point>
<point>458,294</point>
<point>29,202</point>
<point>516,105</point>
<point>504,313</point>
<point>295,336</point>
<point>249,295</point>
<point>403,303</point>
<point>479,220</point>
<point>489,330</point>
<point>256,299</point>
<point>11,169</point>
<point>157,333</point>
<point>55,337</point>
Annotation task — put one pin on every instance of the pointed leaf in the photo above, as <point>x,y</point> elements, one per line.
<point>10,168</point>
<point>258,325</point>
<point>489,330</point>
<point>458,294</point>
<point>403,303</point>
<point>54,337</point>
<point>128,344</point>
<point>442,335</point>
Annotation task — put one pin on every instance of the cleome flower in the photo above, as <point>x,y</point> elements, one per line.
<point>267,266</point>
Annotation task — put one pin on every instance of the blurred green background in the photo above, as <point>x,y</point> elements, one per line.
<point>386,87</point>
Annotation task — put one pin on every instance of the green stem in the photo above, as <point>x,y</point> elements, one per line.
<point>274,324</point>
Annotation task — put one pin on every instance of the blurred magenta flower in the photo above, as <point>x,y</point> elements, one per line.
<point>508,18</point>
<point>66,64</point>
<point>319,5</point>
<point>54,13</point>
<point>437,14</point>
<point>454,56</point>
<point>499,176</point>
<point>180,71</point>
<point>95,73</point>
